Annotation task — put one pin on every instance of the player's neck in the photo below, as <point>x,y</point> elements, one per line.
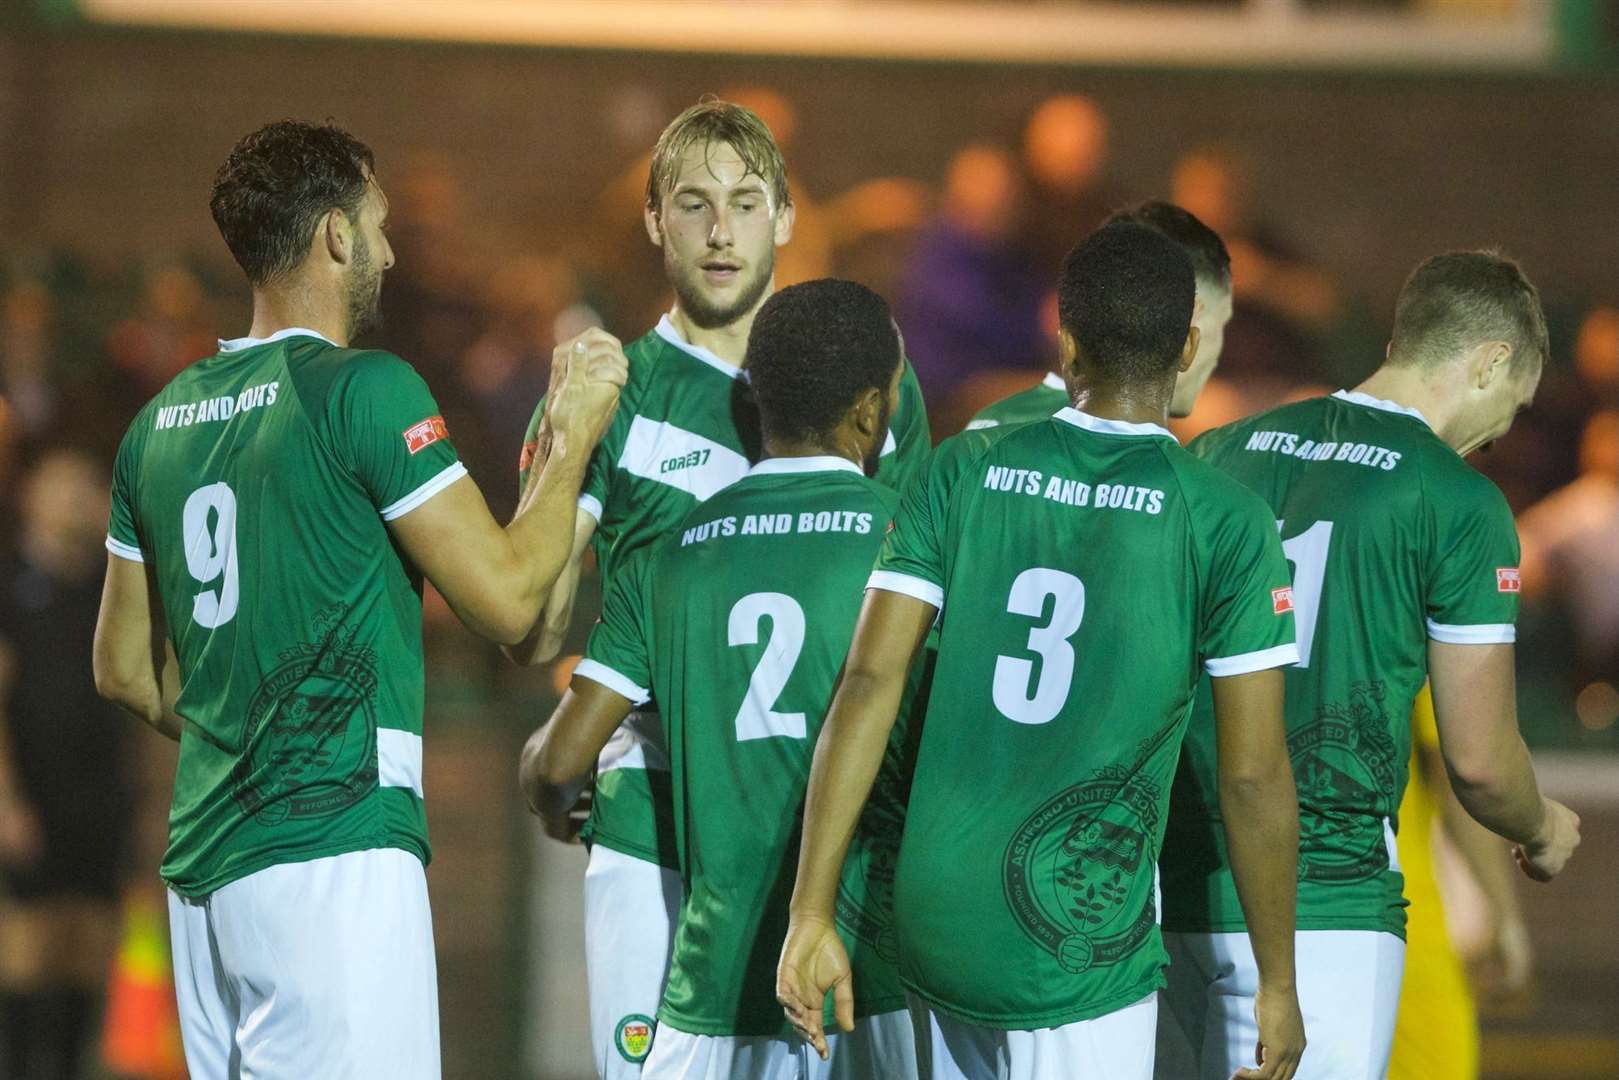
<point>1132,404</point>
<point>297,305</point>
<point>1408,387</point>
<point>728,342</point>
<point>789,448</point>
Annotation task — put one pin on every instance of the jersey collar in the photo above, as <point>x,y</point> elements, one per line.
<point>1071,415</point>
<point>238,344</point>
<point>668,331</point>
<point>782,466</point>
<point>1358,398</point>
<point>1054,381</point>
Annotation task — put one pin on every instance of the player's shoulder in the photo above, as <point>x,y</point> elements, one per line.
<point>1292,417</point>
<point>1211,492</point>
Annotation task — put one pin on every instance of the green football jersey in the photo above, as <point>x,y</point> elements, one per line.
<point>737,625</point>
<point>1393,540</point>
<point>257,486</point>
<point>1087,572</point>
<point>686,427</point>
<point>1036,403</point>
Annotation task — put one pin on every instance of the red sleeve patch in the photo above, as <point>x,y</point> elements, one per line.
<point>1506,579</point>
<point>526,458</point>
<point>419,437</point>
<point>1281,600</point>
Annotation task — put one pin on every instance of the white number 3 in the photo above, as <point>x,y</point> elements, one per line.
<point>211,553</point>
<point>1012,673</point>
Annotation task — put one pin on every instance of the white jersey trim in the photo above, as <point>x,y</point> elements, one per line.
<point>124,551</point>
<point>1476,634</point>
<point>399,759</point>
<point>592,506</point>
<point>979,425</point>
<point>1070,415</point>
<point>906,585</point>
<point>1054,381</point>
<point>1279,656</point>
<point>781,466</point>
<point>449,475</point>
<point>1355,397</point>
<point>668,331</point>
<point>621,685</point>
<point>238,344</point>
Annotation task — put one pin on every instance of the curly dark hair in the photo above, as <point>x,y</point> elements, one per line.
<point>1126,297</point>
<point>1211,262</point>
<point>277,183</point>
<point>814,349</point>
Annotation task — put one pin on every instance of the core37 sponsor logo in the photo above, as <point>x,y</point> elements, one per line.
<point>693,460</point>
<point>1345,762</point>
<point>1076,873</point>
<point>633,1037</point>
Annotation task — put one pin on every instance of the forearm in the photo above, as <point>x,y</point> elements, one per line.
<point>548,792</point>
<point>541,532</point>
<point>550,632</point>
<point>1262,839</point>
<point>1503,795</point>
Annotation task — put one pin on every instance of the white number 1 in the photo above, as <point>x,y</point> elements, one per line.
<point>1308,553</point>
<point>211,553</point>
<point>756,719</point>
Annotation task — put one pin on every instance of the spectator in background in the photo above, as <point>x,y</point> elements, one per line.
<point>1065,144</point>
<point>1571,551</point>
<point>28,357</point>
<point>67,778</point>
<point>172,328</point>
<point>970,299</point>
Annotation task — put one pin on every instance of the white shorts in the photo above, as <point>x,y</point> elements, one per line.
<point>1114,1046</point>
<point>1349,993</point>
<point>631,906</point>
<point>322,968</point>
<point>880,1046</point>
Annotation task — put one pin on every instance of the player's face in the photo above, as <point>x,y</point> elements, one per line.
<point>718,228</point>
<point>372,255</point>
<point>1212,314</point>
<point>1500,403</point>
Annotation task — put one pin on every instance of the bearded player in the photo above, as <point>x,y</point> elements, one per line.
<point>1211,263</point>
<point>275,509</point>
<point>717,207</point>
<point>1405,567</point>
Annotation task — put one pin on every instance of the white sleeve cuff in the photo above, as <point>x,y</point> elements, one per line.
<point>1476,634</point>
<point>444,479</point>
<point>906,585</point>
<point>618,684</point>
<point>592,506</point>
<point>125,551</point>
<point>1280,656</point>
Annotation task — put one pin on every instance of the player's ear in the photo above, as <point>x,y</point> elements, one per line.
<point>653,220</point>
<point>1067,353</point>
<point>1490,361</point>
<point>336,232</point>
<point>868,411</point>
<point>784,223</point>
<point>1189,350</point>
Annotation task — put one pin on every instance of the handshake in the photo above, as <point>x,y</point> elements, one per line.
<point>587,373</point>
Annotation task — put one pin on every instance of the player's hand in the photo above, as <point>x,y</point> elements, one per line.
<point>1544,857</point>
<point>585,395</point>
<point>21,840</point>
<point>1281,1035</point>
<point>813,961</point>
<point>1502,968</point>
<point>564,825</point>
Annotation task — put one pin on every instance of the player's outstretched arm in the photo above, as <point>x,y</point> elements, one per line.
<point>1259,805</point>
<point>1475,706</point>
<point>558,758</point>
<point>497,580</point>
<point>848,753</point>
<point>131,647</point>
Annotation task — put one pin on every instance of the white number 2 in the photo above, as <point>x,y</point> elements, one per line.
<point>756,718</point>
<point>1012,674</point>
<point>1308,553</point>
<point>211,553</point>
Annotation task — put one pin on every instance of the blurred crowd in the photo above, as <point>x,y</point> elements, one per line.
<point>968,259</point>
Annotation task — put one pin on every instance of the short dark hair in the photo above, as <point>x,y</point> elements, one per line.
<point>1126,297</point>
<point>277,183</point>
<point>1211,262</point>
<point>1455,300</point>
<point>814,349</point>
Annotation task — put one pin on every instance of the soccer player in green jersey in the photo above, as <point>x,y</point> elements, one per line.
<point>275,509</point>
<point>717,207</point>
<point>1084,570</point>
<point>1405,567</point>
<point>735,624</point>
<point>1212,265</point>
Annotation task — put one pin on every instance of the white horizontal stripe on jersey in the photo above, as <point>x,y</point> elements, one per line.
<point>658,450</point>
<point>449,475</point>
<point>906,585</point>
<point>1476,634</point>
<point>399,759</point>
<point>124,551</point>
<point>619,684</point>
<point>1279,656</point>
<point>592,506</point>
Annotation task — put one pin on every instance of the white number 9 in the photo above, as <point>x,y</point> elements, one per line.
<point>211,553</point>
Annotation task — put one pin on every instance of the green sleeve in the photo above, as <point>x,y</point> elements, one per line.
<point>1473,586</point>
<point>385,423</point>
<point>598,473</point>
<point>123,539</point>
<point>1248,606</point>
<point>912,557</point>
<point>913,440</point>
<point>617,655</point>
